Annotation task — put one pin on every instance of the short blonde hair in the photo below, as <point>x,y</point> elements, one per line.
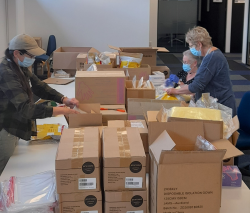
<point>199,34</point>
<point>191,57</point>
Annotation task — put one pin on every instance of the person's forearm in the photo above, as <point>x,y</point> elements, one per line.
<point>183,90</point>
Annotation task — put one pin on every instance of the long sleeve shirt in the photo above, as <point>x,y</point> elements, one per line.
<point>213,77</point>
<point>16,109</point>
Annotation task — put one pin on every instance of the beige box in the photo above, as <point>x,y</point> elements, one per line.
<point>65,57</point>
<point>125,202</point>
<point>92,117</point>
<point>80,202</point>
<point>144,93</point>
<point>112,113</point>
<point>184,179</point>
<point>143,71</point>
<point>149,53</point>
<point>78,160</point>
<point>124,159</point>
<point>140,124</point>
<point>147,163</point>
<point>100,87</point>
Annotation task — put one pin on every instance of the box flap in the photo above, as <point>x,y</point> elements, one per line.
<point>231,150</point>
<point>161,49</point>
<point>151,116</point>
<point>58,81</point>
<point>114,48</point>
<point>180,157</point>
<point>90,107</point>
<point>101,74</point>
<point>116,123</point>
<point>236,124</point>
<point>163,142</point>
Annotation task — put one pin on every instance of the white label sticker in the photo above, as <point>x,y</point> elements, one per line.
<point>87,183</point>
<point>133,182</point>
<point>135,211</point>
<point>91,212</point>
<point>137,124</point>
<point>50,133</point>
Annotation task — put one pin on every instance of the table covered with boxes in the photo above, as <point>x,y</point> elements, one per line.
<point>126,151</point>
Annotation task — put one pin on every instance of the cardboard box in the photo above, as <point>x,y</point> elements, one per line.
<point>93,117</point>
<point>143,71</point>
<point>137,107</point>
<point>65,57</point>
<point>108,115</point>
<point>100,87</point>
<point>144,93</point>
<point>163,69</point>
<point>231,176</point>
<point>186,180</point>
<point>78,160</point>
<point>140,124</point>
<point>80,202</point>
<point>147,163</point>
<point>149,53</point>
<point>126,202</point>
<point>124,160</point>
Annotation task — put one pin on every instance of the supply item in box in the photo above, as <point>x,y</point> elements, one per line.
<point>130,60</point>
<point>30,194</point>
<point>231,176</point>
<point>93,67</point>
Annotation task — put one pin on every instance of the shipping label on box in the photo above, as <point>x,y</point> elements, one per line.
<point>78,160</point>
<point>125,201</point>
<point>100,87</point>
<point>89,202</point>
<point>124,159</point>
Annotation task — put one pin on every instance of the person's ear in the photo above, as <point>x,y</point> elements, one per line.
<point>16,53</point>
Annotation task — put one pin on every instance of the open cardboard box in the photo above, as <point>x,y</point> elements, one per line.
<point>149,53</point>
<point>65,57</point>
<point>137,106</point>
<point>143,71</point>
<point>182,173</point>
<point>147,93</point>
<point>112,114</point>
<point>104,87</point>
<point>93,117</point>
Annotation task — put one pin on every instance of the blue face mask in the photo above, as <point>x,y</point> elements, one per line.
<point>27,62</point>
<point>195,52</point>
<point>186,67</point>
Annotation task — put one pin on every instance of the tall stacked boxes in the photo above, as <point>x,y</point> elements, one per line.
<point>124,170</point>
<point>78,170</point>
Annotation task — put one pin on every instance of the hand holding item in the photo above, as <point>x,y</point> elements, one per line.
<point>63,111</point>
<point>171,91</point>
<point>71,102</point>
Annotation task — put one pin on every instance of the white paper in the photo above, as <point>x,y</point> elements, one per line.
<point>137,125</point>
<point>133,182</point>
<point>87,183</point>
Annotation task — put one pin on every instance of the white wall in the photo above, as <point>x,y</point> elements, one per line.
<point>12,19</point>
<point>3,34</point>
<point>88,22</point>
<point>153,22</point>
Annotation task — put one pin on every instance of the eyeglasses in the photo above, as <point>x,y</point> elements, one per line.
<point>185,62</point>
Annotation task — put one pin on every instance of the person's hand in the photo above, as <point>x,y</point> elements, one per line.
<point>63,111</point>
<point>71,102</point>
<point>181,83</point>
<point>171,91</point>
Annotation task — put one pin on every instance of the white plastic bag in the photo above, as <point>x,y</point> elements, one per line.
<point>140,83</point>
<point>134,82</point>
<point>93,67</point>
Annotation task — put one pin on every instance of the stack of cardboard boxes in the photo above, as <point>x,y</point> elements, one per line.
<point>78,171</point>
<point>124,170</point>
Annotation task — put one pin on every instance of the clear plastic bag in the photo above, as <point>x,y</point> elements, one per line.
<point>93,67</point>
<point>33,194</point>
<point>79,110</point>
<point>134,82</point>
<point>130,60</point>
<point>104,58</point>
<point>203,145</point>
<point>140,83</point>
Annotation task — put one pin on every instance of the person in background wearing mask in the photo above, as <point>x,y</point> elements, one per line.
<point>213,74</point>
<point>17,110</point>
<point>189,68</point>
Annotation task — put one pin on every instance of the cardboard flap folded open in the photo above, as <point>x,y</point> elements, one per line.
<point>232,151</point>
<point>90,108</point>
<point>58,81</point>
<point>160,49</point>
<point>236,124</point>
<point>180,157</point>
<point>114,48</point>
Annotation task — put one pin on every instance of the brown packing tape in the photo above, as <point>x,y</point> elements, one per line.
<point>127,123</point>
<point>124,148</point>
<point>127,195</point>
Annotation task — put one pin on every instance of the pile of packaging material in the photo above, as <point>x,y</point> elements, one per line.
<point>130,60</point>
<point>141,84</point>
<point>33,194</point>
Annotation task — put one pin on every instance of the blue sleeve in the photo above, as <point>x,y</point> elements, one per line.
<point>203,77</point>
